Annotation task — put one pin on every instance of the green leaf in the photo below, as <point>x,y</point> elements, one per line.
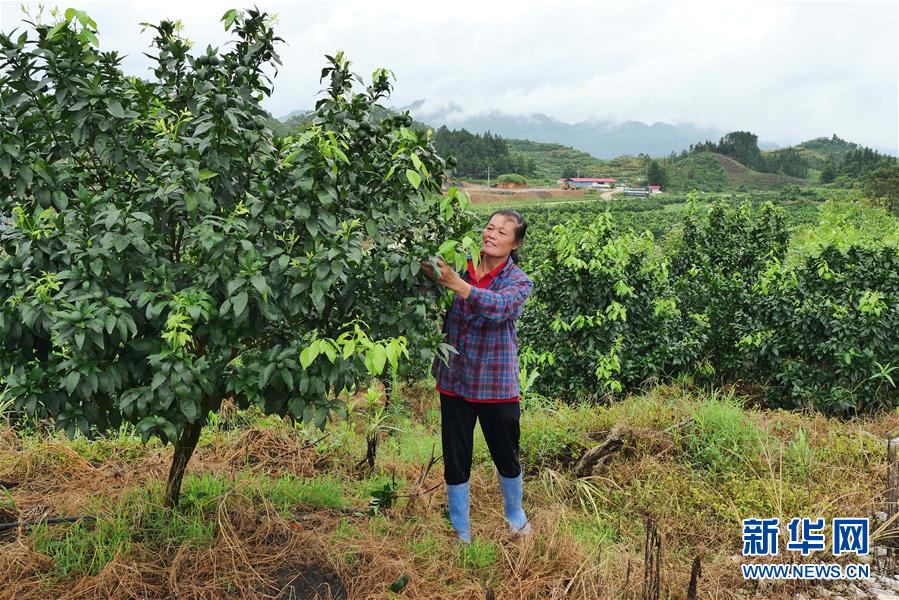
<point>398,585</point>
<point>287,378</point>
<point>207,174</point>
<point>413,177</point>
<point>321,416</point>
<point>379,359</point>
<point>229,17</point>
<point>330,351</point>
<point>309,354</point>
<point>191,202</point>
<point>239,302</point>
<point>115,109</point>
<point>318,299</point>
<point>190,409</point>
<point>56,29</point>
<point>259,283</point>
<point>447,249</point>
<point>71,381</point>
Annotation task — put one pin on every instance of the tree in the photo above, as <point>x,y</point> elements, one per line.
<point>829,172</point>
<point>882,185</point>
<point>569,171</point>
<point>656,174</point>
<point>167,252</point>
<point>474,153</point>
<point>742,146</point>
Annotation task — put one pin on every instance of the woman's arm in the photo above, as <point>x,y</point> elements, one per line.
<point>499,305</point>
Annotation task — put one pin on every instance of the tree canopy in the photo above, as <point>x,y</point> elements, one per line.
<point>167,251</point>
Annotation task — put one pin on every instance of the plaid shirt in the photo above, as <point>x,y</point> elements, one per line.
<point>482,329</point>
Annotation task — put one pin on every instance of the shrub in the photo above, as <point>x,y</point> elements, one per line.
<point>511,178</point>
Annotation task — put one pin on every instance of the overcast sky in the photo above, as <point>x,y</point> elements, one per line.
<point>788,71</point>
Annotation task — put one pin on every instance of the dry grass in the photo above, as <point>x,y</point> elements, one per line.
<point>589,532</point>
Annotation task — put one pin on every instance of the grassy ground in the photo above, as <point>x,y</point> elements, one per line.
<point>269,507</point>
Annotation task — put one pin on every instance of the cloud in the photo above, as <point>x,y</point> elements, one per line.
<point>787,70</point>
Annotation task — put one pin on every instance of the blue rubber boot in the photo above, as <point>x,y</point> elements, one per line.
<point>512,492</point>
<point>457,504</point>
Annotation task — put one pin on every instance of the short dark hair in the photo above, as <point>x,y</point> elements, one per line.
<point>521,226</point>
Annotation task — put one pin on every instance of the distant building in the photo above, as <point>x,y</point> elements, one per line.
<point>655,189</point>
<point>636,191</point>
<point>603,182</point>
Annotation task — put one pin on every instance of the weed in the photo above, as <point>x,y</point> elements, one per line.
<point>479,555</point>
<point>722,438</point>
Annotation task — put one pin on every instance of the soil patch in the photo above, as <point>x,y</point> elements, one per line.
<point>308,581</point>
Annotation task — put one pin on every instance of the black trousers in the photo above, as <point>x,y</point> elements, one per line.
<point>499,422</point>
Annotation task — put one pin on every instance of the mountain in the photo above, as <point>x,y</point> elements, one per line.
<point>601,138</point>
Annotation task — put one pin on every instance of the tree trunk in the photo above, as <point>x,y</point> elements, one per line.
<point>184,449</point>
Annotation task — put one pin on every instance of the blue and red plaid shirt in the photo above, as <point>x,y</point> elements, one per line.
<point>482,329</point>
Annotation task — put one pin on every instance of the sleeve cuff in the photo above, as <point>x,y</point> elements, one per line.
<point>473,296</point>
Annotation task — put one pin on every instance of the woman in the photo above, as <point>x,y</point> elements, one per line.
<point>481,381</point>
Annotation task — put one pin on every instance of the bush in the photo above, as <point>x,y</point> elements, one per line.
<point>511,178</point>
<point>604,305</point>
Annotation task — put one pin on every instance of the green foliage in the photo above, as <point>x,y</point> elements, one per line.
<point>479,555</point>
<point>698,172</point>
<point>167,251</point>
<point>882,185</point>
<point>859,162</point>
<point>724,298</point>
<point>605,308</point>
<point>721,438</point>
<point>656,174</point>
<point>289,491</point>
<point>787,161</point>
<point>834,157</point>
<point>829,172</point>
<point>742,146</point>
<point>473,153</point>
<point>824,149</point>
<point>844,223</point>
<point>85,547</point>
<point>511,178</point>
<point>553,161</point>
<point>554,439</point>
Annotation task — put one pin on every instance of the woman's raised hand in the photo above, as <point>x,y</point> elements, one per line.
<point>447,277</point>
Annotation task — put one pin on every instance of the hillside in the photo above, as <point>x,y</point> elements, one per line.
<point>816,152</point>
<point>713,172</point>
<point>551,160</point>
<point>823,148</point>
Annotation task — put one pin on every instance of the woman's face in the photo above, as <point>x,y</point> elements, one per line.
<point>498,238</point>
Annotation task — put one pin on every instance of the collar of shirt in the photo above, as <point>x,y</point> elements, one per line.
<point>486,280</point>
